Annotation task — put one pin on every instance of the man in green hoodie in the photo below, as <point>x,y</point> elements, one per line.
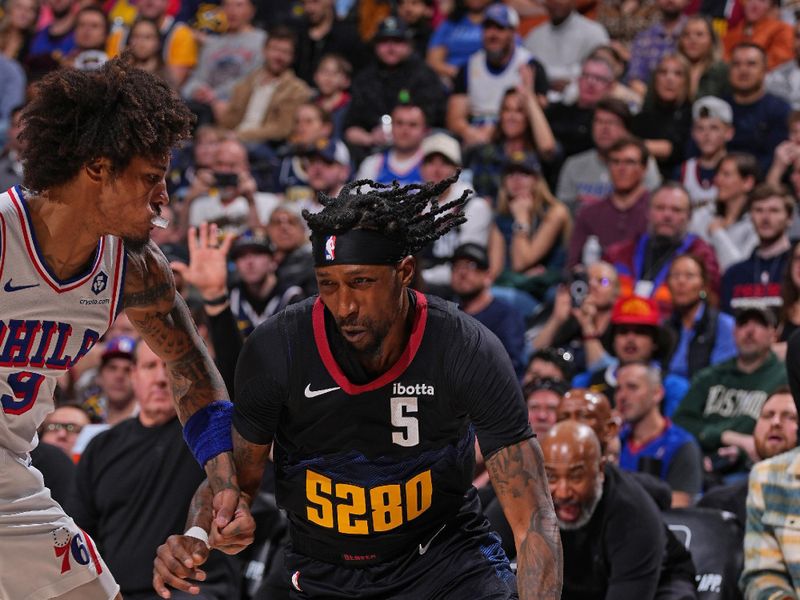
<point>724,401</point>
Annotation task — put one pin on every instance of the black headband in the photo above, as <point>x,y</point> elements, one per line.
<point>356,247</point>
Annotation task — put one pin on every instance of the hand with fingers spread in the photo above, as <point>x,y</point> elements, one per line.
<point>207,269</point>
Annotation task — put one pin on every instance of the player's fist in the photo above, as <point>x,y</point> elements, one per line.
<point>236,535</point>
<point>176,561</point>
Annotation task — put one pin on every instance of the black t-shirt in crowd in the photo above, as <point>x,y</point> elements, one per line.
<point>134,486</point>
<point>366,468</point>
<point>57,469</point>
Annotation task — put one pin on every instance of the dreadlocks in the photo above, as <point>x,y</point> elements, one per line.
<point>408,213</point>
<point>117,112</point>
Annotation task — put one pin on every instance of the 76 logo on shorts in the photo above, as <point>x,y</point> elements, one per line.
<point>80,547</point>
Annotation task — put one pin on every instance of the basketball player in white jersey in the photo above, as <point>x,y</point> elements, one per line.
<point>75,251</point>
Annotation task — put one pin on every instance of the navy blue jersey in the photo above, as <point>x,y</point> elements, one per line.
<point>367,470</point>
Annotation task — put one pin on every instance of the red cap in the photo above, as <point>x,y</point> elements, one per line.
<point>634,310</point>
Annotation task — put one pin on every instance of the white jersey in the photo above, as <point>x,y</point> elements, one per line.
<point>46,325</point>
<point>700,192</point>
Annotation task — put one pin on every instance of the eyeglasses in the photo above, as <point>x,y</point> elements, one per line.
<point>624,162</point>
<point>465,265</point>
<point>595,78</point>
<point>68,427</point>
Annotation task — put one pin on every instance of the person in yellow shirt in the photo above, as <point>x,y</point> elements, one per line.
<point>178,41</point>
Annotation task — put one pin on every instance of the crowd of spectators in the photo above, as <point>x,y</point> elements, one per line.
<point>632,240</point>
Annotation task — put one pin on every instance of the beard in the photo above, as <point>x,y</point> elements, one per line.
<point>469,295</point>
<point>377,331</point>
<point>769,241</point>
<point>136,244</point>
<point>587,511</point>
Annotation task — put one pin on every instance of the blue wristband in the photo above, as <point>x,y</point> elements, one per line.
<point>208,431</point>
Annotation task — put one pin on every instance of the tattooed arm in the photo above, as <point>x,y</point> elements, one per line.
<point>517,474</point>
<point>179,558</point>
<point>162,318</point>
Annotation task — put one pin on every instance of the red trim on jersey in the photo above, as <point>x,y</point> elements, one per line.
<point>117,274</point>
<point>324,349</point>
<point>636,447</point>
<point>27,234</point>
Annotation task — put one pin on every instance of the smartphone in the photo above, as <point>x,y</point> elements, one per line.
<point>225,180</point>
<point>578,289</point>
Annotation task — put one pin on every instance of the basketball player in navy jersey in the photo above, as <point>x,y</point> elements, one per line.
<point>74,252</point>
<point>370,397</point>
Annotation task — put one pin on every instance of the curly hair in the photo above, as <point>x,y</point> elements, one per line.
<point>408,213</point>
<point>117,112</point>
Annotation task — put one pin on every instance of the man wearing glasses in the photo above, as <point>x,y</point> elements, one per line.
<point>622,214</point>
<point>62,426</point>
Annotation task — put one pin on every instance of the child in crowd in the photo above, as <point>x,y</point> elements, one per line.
<point>332,79</point>
<point>712,129</point>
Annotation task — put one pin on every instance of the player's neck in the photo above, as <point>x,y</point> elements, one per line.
<point>63,234</point>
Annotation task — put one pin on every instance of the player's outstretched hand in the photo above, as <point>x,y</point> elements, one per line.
<point>207,269</point>
<point>236,535</point>
<point>177,560</point>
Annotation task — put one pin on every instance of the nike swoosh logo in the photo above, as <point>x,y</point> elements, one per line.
<point>15,288</point>
<point>424,549</point>
<point>309,393</point>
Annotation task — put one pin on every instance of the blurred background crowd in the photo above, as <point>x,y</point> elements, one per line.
<point>631,241</point>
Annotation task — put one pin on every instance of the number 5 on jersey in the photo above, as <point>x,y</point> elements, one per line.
<point>401,408</point>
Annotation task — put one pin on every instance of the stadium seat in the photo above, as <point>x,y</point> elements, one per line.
<point>713,538</point>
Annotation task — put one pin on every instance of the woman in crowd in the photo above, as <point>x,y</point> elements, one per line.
<point>456,39</point>
<point>666,118</point>
<point>699,44</point>
<point>705,336</point>
<point>332,79</point>
<point>533,225</point>
<point>17,28</point>
<point>529,237</point>
<point>725,223</point>
<point>612,55</point>
<point>144,42</point>
<point>790,310</point>
<point>522,127</point>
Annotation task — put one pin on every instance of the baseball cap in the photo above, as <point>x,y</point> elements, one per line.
<point>520,160</point>
<point>634,310</point>
<point>764,314</point>
<point>713,107</point>
<point>502,15</point>
<point>392,28</point>
<point>330,150</point>
<point>441,143</point>
<point>249,241</point>
<point>119,347</point>
<point>474,252</point>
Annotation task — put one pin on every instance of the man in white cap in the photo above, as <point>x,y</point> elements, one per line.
<point>441,159</point>
<point>712,128</point>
